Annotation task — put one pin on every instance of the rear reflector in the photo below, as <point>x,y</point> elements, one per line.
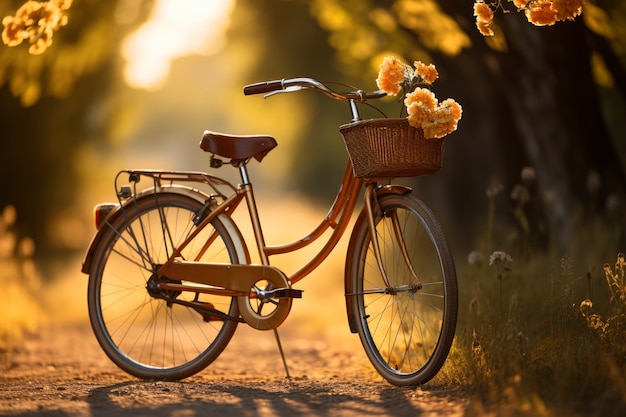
<point>101,212</point>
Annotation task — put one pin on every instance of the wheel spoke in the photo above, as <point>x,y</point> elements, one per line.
<point>141,327</point>
<point>406,325</point>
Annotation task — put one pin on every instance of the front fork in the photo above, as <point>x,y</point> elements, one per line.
<point>373,193</point>
<point>371,207</point>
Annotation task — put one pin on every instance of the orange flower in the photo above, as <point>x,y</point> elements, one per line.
<point>567,9</point>
<point>420,105</point>
<point>484,18</point>
<point>423,98</point>
<point>483,12</point>
<point>437,120</point>
<point>541,14</point>
<point>520,4</point>
<point>484,28</point>
<point>444,119</point>
<point>453,108</point>
<point>391,75</point>
<point>423,109</point>
<point>428,72</point>
<point>13,33</point>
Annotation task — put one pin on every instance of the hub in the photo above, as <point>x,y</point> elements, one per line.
<point>154,288</point>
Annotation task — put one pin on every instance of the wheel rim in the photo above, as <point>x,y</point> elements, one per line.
<point>402,320</point>
<point>145,333</point>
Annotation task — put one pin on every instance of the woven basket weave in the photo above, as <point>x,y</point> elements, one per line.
<point>391,148</point>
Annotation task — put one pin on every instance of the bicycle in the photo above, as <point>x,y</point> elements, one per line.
<point>170,274</point>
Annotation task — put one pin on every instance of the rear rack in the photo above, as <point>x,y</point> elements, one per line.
<point>200,181</point>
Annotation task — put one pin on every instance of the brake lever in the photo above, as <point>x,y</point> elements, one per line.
<point>290,89</point>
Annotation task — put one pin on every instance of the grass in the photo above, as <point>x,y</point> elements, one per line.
<point>542,334</point>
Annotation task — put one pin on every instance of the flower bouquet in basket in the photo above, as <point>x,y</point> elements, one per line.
<point>408,146</point>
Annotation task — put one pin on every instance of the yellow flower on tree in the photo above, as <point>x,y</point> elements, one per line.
<point>484,18</point>
<point>538,12</point>
<point>35,21</point>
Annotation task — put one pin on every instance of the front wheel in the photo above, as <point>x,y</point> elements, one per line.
<point>406,317</point>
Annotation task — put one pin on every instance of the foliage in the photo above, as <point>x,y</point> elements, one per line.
<point>365,31</point>
<point>37,22</point>
<point>611,327</point>
<point>20,281</point>
<point>539,338</point>
<point>88,41</point>
<point>57,106</point>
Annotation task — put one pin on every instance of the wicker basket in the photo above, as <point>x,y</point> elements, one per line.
<point>390,148</point>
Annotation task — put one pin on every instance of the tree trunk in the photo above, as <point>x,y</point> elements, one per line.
<point>545,105</point>
<point>556,112</point>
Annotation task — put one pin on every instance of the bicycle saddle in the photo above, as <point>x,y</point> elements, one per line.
<point>237,147</point>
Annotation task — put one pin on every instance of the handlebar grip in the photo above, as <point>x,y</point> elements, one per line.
<point>263,87</point>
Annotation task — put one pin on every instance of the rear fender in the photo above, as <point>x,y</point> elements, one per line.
<point>114,215</point>
<point>360,224</point>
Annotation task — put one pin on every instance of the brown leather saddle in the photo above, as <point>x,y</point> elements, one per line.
<point>237,147</point>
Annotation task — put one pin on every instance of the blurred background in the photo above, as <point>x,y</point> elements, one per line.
<point>134,83</point>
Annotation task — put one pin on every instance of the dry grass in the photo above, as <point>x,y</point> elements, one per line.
<point>543,334</point>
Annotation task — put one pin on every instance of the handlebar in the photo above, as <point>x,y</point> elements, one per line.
<point>287,85</point>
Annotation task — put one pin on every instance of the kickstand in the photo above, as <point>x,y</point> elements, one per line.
<point>282,354</point>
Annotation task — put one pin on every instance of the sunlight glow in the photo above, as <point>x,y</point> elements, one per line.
<point>176,28</point>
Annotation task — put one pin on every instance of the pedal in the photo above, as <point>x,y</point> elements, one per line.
<point>205,310</point>
<point>280,293</point>
<point>287,293</point>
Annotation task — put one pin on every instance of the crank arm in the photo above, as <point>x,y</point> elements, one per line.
<point>207,311</point>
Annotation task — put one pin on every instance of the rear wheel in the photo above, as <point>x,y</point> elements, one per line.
<point>149,332</point>
<point>407,321</point>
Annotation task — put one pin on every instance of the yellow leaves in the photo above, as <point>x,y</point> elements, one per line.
<point>384,20</point>
<point>601,74</point>
<point>361,31</point>
<point>331,16</point>
<point>435,29</point>
<point>597,20</point>
<point>36,23</point>
<point>55,72</point>
<point>345,21</point>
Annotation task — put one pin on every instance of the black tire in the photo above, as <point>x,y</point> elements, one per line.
<point>144,335</point>
<point>406,325</point>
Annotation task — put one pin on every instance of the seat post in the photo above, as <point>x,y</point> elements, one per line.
<point>243,171</point>
<point>246,188</point>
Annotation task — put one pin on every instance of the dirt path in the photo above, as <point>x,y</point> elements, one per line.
<point>61,371</point>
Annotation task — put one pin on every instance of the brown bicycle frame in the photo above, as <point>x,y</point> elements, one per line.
<point>337,218</point>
